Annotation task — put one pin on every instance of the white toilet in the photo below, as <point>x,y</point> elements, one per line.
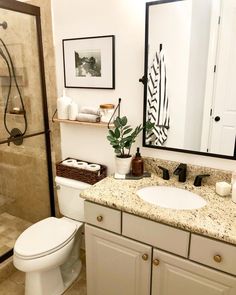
<point>48,251</point>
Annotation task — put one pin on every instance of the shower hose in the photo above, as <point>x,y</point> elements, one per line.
<point>12,74</point>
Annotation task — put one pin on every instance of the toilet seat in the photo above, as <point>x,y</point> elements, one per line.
<point>44,238</point>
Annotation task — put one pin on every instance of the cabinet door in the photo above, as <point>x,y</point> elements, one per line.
<point>116,265</point>
<point>176,276</point>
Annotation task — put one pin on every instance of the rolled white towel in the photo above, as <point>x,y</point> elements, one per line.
<point>90,110</point>
<point>88,118</point>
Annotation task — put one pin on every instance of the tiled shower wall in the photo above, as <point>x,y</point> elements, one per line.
<point>23,181</point>
<point>50,71</point>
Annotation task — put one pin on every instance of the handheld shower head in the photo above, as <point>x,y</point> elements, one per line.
<point>4,25</point>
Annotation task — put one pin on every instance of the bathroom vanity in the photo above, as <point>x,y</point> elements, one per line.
<point>135,248</point>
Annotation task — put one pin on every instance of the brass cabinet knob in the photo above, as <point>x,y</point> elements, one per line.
<point>99,218</point>
<point>217,258</point>
<point>156,262</point>
<point>145,257</point>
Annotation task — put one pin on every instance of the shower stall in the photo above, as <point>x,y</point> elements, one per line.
<point>26,184</point>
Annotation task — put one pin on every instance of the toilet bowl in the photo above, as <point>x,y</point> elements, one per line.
<point>48,251</point>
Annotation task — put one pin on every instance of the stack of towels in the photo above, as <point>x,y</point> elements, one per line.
<point>89,114</point>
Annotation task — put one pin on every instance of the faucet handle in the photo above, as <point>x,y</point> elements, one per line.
<point>166,174</point>
<point>198,179</point>
<point>181,170</point>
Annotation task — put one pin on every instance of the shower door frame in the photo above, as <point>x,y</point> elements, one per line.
<point>26,8</point>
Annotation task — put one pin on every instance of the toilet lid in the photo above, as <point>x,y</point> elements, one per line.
<point>44,237</point>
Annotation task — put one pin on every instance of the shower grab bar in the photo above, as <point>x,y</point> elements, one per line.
<point>12,139</point>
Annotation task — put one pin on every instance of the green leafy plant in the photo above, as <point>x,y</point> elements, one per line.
<point>124,136</point>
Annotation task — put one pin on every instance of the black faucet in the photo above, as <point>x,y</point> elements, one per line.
<point>166,174</point>
<point>198,179</point>
<point>181,170</point>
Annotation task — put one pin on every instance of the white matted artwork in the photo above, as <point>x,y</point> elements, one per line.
<point>89,62</point>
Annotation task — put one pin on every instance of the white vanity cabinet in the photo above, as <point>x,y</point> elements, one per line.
<point>116,265</point>
<point>123,259</point>
<point>172,275</point>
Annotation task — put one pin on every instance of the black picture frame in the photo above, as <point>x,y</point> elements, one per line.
<point>89,62</point>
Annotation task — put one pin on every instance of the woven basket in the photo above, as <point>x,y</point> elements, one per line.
<point>83,175</point>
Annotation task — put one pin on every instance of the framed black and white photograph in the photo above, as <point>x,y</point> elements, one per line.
<point>89,62</point>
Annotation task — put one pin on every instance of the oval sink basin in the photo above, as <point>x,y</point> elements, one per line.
<point>171,197</point>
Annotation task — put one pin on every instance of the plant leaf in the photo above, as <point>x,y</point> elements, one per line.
<point>128,144</point>
<point>111,132</point>
<point>124,121</point>
<point>117,133</point>
<point>149,125</point>
<point>117,122</point>
<point>126,127</point>
<point>127,131</point>
<point>110,138</point>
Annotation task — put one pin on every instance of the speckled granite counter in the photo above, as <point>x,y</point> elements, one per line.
<point>217,219</point>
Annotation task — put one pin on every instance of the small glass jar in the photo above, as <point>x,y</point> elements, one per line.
<point>107,111</point>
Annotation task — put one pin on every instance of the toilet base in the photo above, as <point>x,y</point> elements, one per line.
<point>50,282</point>
<point>72,275</point>
<point>44,283</point>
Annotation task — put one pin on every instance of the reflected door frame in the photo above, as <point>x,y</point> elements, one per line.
<point>209,93</point>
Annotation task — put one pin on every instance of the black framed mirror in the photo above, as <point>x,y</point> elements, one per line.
<point>190,65</point>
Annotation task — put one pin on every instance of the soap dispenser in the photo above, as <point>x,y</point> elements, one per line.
<point>137,164</point>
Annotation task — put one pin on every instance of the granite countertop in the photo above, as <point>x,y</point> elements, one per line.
<point>217,219</point>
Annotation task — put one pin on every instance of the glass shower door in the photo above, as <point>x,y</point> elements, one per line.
<point>26,186</point>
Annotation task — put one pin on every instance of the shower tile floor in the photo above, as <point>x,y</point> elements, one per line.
<point>14,285</point>
<point>10,228</point>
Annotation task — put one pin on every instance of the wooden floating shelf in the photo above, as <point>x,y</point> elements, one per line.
<point>100,124</point>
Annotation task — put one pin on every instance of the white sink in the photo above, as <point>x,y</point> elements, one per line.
<point>171,197</point>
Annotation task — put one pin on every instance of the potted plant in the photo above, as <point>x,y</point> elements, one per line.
<point>122,139</point>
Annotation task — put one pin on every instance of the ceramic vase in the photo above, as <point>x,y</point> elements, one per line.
<point>123,165</point>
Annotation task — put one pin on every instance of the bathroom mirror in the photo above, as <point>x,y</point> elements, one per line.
<point>190,68</point>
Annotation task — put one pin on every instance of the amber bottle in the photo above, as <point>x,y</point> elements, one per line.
<point>137,164</point>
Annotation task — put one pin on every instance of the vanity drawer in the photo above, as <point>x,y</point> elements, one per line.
<point>107,218</point>
<point>213,253</point>
<point>158,235</point>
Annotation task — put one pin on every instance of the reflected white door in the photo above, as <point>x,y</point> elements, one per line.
<point>222,139</point>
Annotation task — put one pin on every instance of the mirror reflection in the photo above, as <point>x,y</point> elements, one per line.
<point>190,67</point>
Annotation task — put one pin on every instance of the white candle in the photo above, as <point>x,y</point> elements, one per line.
<point>223,189</point>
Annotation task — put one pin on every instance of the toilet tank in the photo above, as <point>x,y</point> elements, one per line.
<point>70,203</point>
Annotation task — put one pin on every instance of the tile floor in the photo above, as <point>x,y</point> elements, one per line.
<point>10,228</point>
<point>14,284</point>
